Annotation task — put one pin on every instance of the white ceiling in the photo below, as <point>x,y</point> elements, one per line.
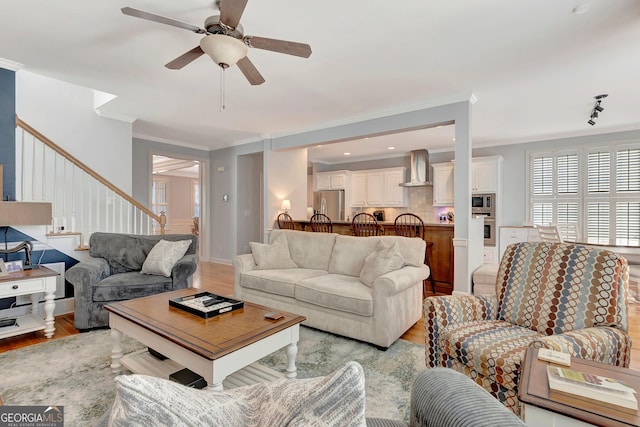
<point>534,66</point>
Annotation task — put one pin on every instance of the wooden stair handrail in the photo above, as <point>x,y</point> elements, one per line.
<point>162,219</point>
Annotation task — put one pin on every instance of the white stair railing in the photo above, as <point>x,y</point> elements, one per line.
<point>83,202</point>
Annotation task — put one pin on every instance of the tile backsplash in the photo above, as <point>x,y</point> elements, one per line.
<point>420,202</point>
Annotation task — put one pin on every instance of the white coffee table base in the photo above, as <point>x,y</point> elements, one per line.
<point>215,372</point>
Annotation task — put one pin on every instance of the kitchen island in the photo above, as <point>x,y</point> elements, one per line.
<point>440,254</point>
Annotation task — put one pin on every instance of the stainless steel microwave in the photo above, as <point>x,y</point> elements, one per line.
<point>483,204</point>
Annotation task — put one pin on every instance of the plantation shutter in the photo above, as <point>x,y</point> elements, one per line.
<point>568,174</point>
<point>598,172</point>
<point>543,175</point>
<point>628,170</point>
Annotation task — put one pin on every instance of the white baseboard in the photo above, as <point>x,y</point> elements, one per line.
<point>220,261</point>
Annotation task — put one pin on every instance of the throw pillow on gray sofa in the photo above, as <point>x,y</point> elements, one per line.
<point>163,256</point>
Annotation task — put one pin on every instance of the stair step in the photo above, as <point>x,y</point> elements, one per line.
<point>64,234</point>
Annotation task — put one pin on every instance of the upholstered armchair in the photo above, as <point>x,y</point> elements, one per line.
<point>126,266</point>
<point>564,297</point>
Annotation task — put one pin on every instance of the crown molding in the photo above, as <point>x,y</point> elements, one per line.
<point>10,65</point>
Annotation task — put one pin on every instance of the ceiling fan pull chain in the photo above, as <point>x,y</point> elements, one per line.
<point>222,100</point>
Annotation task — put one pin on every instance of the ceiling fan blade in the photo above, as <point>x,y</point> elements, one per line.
<point>250,71</point>
<point>281,46</point>
<point>161,19</point>
<point>231,12</point>
<point>185,58</point>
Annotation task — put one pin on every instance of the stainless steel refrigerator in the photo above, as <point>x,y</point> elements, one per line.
<point>330,203</point>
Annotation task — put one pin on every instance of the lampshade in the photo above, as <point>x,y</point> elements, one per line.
<point>286,205</point>
<point>224,49</point>
<point>25,213</point>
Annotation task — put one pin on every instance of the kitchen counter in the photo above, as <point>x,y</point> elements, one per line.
<point>382,223</point>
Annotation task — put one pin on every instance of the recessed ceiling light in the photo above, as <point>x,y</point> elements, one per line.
<point>391,148</point>
<point>580,9</point>
<point>347,154</point>
<point>453,139</point>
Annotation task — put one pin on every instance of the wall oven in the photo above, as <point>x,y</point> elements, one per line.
<point>485,205</point>
<point>490,231</point>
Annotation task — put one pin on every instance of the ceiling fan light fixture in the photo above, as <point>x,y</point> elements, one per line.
<point>225,51</point>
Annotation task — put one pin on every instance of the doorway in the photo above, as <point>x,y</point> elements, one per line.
<point>176,190</point>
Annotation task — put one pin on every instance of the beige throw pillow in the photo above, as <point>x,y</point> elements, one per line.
<point>163,256</point>
<point>382,260</point>
<point>273,256</point>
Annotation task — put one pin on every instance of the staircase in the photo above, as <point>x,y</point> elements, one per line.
<point>83,202</point>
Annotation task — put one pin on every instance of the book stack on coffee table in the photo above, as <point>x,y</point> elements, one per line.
<point>567,384</point>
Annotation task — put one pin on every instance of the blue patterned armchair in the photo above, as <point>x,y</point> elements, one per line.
<point>564,297</point>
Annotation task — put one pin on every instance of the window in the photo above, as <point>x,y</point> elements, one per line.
<point>597,188</point>
<point>159,198</point>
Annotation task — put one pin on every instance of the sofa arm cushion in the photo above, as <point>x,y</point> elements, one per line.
<point>182,270</point>
<point>87,273</point>
<point>443,311</point>
<point>243,263</point>
<point>398,280</point>
<point>447,398</point>
<point>603,344</point>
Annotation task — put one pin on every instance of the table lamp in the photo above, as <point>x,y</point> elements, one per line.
<point>23,213</point>
<point>286,205</point>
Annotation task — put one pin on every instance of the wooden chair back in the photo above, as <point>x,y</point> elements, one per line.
<point>285,222</point>
<point>549,233</point>
<point>321,223</point>
<point>364,224</point>
<point>409,225</point>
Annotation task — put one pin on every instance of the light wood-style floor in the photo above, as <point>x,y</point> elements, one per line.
<point>218,278</point>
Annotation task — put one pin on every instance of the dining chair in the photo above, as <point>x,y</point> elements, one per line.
<point>285,222</point>
<point>321,223</point>
<point>411,225</point>
<point>364,224</point>
<point>549,233</point>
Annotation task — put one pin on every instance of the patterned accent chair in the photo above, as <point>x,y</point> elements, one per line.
<point>569,298</point>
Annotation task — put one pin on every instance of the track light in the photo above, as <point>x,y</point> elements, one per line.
<point>597,108</point>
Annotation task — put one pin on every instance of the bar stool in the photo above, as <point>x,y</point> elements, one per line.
<point>321,223</point>
<point>285,222</point>
<point>411,225</point>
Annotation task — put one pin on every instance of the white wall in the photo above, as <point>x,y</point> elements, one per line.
<point>286,178</point>
<point>64,113</point>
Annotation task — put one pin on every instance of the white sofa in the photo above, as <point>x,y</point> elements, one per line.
<point>322,281</point>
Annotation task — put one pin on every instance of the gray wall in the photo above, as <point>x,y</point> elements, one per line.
<point>249,213</point>
<point>224,223</point>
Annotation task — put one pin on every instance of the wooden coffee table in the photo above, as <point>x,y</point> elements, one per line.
<point>221,348</point>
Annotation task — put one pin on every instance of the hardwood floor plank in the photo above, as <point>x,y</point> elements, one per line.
<point>218,278</point>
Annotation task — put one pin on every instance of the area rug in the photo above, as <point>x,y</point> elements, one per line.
<point>74,372</point>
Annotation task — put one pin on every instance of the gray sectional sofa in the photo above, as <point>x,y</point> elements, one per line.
<point>366,288</point>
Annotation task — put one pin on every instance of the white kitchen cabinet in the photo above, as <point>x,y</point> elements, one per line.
<point>359,189</point>
<point>394,194</point>
<point>378,188</point>
<point>485,174</point>
<point>442,184</point>
<point>336,180</point>
<point>375,189</point>
<point>509,235</point>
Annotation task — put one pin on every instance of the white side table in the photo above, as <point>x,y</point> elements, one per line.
<point>31,282</point>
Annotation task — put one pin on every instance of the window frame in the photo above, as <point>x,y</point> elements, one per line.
<point>583,197</point>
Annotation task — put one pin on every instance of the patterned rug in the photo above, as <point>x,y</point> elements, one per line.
<point>74,372</point>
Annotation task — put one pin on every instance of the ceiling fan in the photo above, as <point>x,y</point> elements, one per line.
<point>224,40</point>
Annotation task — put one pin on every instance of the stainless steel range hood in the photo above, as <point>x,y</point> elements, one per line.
<point>419,169</point>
